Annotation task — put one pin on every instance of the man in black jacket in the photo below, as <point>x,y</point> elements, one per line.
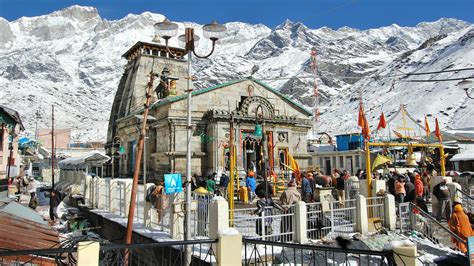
<point>54,201</point>
<point>442,194</point>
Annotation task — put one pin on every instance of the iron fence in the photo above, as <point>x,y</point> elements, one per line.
<point>375,208</point>
<point>258,252</point>
<point>56,256</point>
<point>160,253</point>
<point>467,200</point>
<point>430,228</point>
<point>200,216</point>
<point>280,226</point>
<point>331,219</point>
<point>404,217</point>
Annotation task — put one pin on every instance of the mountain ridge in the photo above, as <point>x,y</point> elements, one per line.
<point>72,58</point>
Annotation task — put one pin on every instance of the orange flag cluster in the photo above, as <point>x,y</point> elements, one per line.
<point>437,130</point>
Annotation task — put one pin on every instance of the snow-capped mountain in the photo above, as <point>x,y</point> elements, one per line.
<point>72,58</point>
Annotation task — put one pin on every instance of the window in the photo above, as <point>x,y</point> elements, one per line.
<point>357,163</point>
<point>1,139</point>
<point>152,140</point>
<point>341,161</point>
<point>333,163</point>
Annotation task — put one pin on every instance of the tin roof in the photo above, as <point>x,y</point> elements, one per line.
<point>20,233</point>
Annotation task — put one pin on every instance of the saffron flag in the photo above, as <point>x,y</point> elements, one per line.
<point>437,131</point>
<point>427,127</point>
<point>293,165</point>
<point>366,130</point>
<point>382,122</point>
<point>361,119</point>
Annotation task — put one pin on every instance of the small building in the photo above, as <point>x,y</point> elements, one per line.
<point>246,102</point>
<point>10,127</point>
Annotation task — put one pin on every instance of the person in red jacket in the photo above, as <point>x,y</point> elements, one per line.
<point>418,186</point>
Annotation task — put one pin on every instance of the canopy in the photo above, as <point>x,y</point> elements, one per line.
<point>94,158</point>
<point>463,156</point>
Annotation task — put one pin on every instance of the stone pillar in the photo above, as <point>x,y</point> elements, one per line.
<point>362,223</point>
<point>218,216</point>
<point>455,195</point>
<point>229,247</point>
<point>390,212</point>
<point>406,255</point>
<point>88,253</point>
<point>177,216</point>
<point>300,223</point>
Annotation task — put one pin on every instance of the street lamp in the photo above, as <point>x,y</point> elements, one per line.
<point>260,131</point>
<point>213,31</point>
<point>464,84</point>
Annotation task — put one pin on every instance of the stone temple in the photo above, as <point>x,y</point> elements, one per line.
<point>286,123</point>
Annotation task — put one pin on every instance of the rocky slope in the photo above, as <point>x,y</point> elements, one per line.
<point>71,58</point>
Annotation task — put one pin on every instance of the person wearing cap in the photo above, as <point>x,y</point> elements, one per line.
<point>251,185</point>
<point>442,194</point>
<point>289,197</point>
<point>460,225</point>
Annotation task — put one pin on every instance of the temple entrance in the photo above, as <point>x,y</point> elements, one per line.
<point>253,155</point>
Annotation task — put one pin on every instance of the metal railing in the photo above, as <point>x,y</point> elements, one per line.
<point>280,226</point>
<point>467,200</point>
<point>331,219</point>
<point>200,216</point>
<point>56,256</point>
<point>160,253</point>
<point>258,252</point>
<point>375,208</point>
<point>412,218</point>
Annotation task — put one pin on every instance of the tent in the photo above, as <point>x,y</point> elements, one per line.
<point>94,158</point>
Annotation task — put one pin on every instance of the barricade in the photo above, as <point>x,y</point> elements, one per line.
<point>331,219</point>
<point>280,226</point>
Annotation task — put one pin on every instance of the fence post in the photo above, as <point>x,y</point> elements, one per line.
<point>405,255</point>
<point>88,253</point>
<point>127,193</point>
<point>218,216</point>
<point>177,216</point>
<point>301,222</point>
<point>362,223</point>
<point>390,212</point>
<point>229,247</point>
<point>112,194</point>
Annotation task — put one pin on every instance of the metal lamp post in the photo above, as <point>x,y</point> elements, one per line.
<point>212,31</point>
<point>264,147</point>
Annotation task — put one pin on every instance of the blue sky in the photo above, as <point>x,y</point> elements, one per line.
<point>360,14</point>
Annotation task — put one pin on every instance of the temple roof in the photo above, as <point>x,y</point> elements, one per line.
<point>222,85</point>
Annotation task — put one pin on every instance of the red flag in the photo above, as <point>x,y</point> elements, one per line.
<point>427,127</point>
<point>437,131</point>
<point>361,119</point>
<point>382,122</point>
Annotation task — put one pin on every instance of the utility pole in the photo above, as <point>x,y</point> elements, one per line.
<point>231,169</point>
<point>52,147</point>
<point>52,165</point>
<point>136,169</point>
<point>37,116</point>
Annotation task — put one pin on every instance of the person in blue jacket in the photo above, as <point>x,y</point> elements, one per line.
<point>251,185</point>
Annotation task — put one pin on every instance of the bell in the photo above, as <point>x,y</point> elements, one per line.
<point>258,130</point>
<point>411,160</point>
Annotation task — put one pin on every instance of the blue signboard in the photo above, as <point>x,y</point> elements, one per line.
<point>173,183</point>
<point>470,249</point>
